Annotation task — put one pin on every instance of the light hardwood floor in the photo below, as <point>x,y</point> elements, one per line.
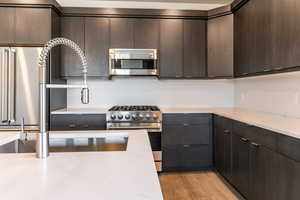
<point>195,186</point>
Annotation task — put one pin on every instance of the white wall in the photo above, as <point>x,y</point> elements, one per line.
<point>150,91</point>
<point>278,93</point>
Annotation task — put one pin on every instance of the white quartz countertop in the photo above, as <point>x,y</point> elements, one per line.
<point>7,137</point>
<point>129,174</point>
<point>278,123</point>
<point>81,111</point>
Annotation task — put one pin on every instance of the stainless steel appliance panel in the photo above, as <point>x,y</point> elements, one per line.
<point>20,85</point>
<point>133,62</point>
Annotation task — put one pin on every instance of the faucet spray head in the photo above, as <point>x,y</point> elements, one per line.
<point>85,96</point>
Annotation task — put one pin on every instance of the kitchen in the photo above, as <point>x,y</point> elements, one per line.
<point>179,99</point>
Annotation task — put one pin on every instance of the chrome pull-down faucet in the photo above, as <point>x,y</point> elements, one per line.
<point>42,144</point>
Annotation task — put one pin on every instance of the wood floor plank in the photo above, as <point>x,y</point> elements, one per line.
<point>195,186</point>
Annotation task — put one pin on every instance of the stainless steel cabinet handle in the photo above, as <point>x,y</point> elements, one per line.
<point>186,146</point>
<point>255,144</point>
<point>72,126</point>
<point>185,124</point>
<point>244,139</point>
<point>4,86</point>
<point>226,131</point>
<point>11,86</point>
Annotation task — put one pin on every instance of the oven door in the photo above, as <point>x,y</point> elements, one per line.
<point>142,62</point>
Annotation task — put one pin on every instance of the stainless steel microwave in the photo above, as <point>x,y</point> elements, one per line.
<point>139,62</point>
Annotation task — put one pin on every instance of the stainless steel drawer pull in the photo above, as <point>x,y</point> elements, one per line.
<point>226,131</point>
<point>255,144</point>
<point>186,146</point>
<point>244,139</point>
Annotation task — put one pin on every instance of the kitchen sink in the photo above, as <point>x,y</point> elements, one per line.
<point>69,145</point>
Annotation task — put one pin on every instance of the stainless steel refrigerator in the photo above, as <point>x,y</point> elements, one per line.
<point>19,87</point>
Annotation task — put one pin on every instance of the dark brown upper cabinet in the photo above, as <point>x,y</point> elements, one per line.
<point>220,47</point>
<point>134,33</point>
<point>25,26</point>
<point>171,48</point>
<point>122,33</point>
<point>194,32</point>
<point>266,37</point>
<point>146,33</point>
<point>73,29</point>
<point>97,45</point>
<point>7,23</point>
<point>253,40</point>
<point>285,33</point>
<point>33,25</point>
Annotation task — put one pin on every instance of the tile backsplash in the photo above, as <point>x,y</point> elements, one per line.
<point>278,93</point>
<point>150,91</point>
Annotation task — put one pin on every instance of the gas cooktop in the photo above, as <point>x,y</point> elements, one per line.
<point>134,108</point>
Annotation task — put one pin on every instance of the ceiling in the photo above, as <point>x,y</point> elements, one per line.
<point>150,4</point>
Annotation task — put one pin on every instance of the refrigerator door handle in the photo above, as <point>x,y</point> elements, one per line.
<point>4,86</point>
<point>12,86</point>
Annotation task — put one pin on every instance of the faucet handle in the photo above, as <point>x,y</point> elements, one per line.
<point>85,95</point>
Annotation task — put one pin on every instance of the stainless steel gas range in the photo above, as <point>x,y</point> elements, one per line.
<point>139,117</point>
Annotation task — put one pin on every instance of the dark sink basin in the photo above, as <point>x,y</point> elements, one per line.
<point>69,145</point>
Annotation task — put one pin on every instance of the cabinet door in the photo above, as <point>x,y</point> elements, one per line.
<point>73,29</point>
<point>240,164</point>
<point>220,47</point>
<point>194,49</point>
<point>284,33</point>
<point>171,48</point>
<point>227,155</point>
<point>97,45</point>
<point>219,144</point>
<point>288,178</point>
<point>263,174</point>
<point>146,33</point>
<point>195,134</point>
<point>253,51</point>
<point>170,158</point>
<point>7,24</point>
<point>33,25</point>
<point>242,40</point>
<point>121,33</point>
<point>172,134</point>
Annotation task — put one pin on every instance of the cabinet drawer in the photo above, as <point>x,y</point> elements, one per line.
<point>195,157</point>
<point>60,122</point>
<point>242,129</point>
<point>264,137</point>
<point>187,118</point>
<point>196,134</point>
<point>186,134</point>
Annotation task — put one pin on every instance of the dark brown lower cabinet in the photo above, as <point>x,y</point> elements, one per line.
<point>288,179</point>
<point>240,164</point>
<point>263,176</point>
<point>222,146</point>
<point>265,164</point>
<point>187,142</point>
<point>67,122</point>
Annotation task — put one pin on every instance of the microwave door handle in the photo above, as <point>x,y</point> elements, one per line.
<point>4,86</point>
<point>12,86</point>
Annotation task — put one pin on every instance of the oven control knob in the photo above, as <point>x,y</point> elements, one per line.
<point>155,116</point>
<point>113,117</point>
<point>134,117</point>
<point>120,116</point>
<point>148,116</point>
<point>141,116</point>
<point>127,116</point>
